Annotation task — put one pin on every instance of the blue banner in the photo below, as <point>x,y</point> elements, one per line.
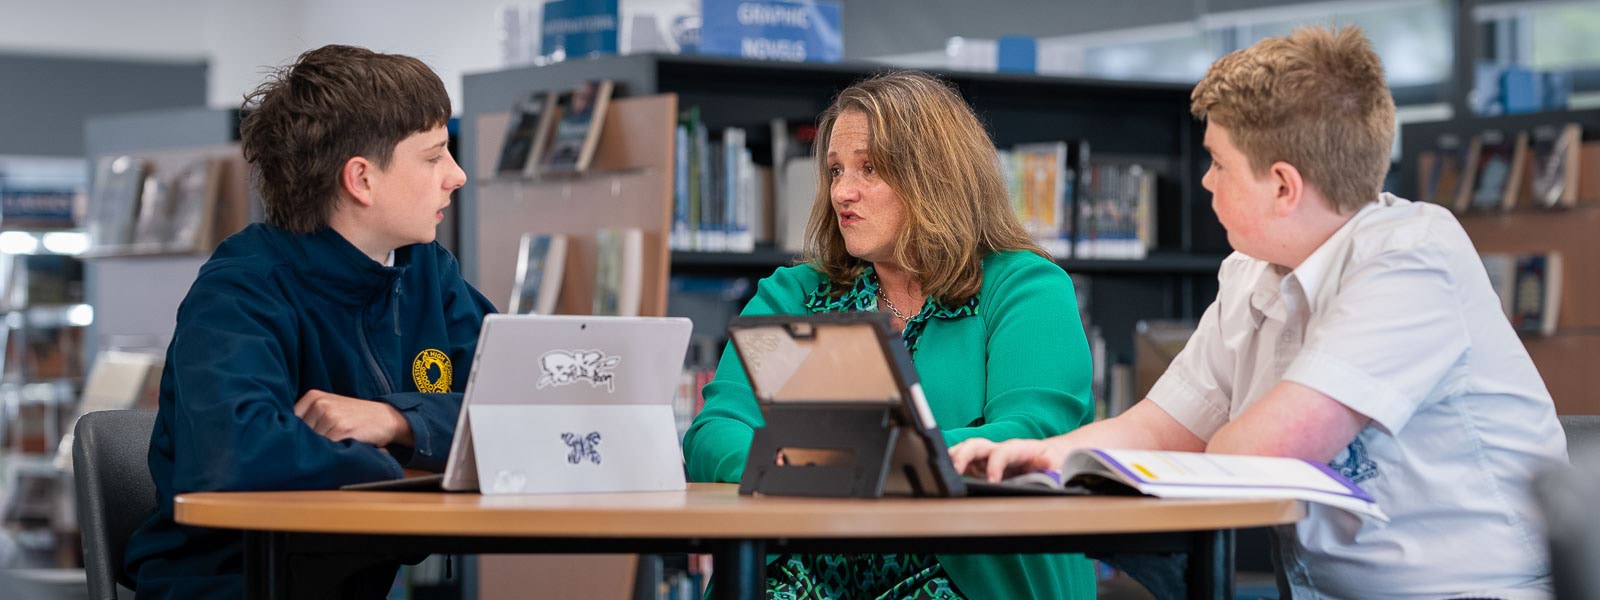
<point>578,28</point>
<point>786,30</point>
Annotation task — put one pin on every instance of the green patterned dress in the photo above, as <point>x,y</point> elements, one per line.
<point>866,576</point>
<point>1012,362</point>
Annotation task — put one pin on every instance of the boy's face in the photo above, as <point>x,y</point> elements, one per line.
<point>1242,200</point>
<point>412,193</point>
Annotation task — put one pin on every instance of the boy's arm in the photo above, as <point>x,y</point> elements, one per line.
<point>1373,354</point>
<point>234,426</point>
<point>432,417</point>
<point>1291,420</point>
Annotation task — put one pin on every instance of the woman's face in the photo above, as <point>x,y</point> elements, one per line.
<point>870,213</point>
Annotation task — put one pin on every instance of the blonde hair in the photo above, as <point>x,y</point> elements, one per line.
<point>1315,99</point>
<point>929,147</point>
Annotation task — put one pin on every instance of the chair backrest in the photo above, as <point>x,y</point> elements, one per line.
<point>1583,438</point>
<point>1567,496</point>
<point>115,492</point>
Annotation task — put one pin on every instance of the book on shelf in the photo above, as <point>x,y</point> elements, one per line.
<point>794,180</point>
<point>1536,295</point>
<point>1116,216</point>
<point>154,222</point>
<point>722,200</point>
<point>1440,171</point>
<point>1529,288</point>
<point>119,183</point>
<point>38,280</point>
<point>529,131</point>
<point>1554,151</point>
<point>1494,171</point>
<point>793,202</point>
<point>1195,475</point>
<point>580,117</point>
<point>619,271</point>
<point>177,211</point>
<point>196,195</point>
<point>1043,189</point>
<point>1502,271</point>
<point>541,263</point>
<point>47,352</point>
<point>680,237</point>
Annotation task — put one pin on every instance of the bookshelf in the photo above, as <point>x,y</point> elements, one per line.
<point>628,185</point>
<point>764,259</point>
<point>1566,359</point>
<point>1123,122</point>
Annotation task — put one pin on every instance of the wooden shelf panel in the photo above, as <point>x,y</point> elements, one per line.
<point>1574,233</point>
<point>630,185</point>
<point>1568,364</point>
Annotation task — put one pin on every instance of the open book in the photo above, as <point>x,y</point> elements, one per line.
<point>1196,475</point>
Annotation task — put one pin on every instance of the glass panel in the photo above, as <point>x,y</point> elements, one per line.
<point>1415,41</point>
<point>1564,36</point>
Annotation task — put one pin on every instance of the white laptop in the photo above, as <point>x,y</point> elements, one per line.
<point>560,404</point>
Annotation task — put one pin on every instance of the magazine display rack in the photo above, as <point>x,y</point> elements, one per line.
<point>224,213</point>
<point>628,185</point>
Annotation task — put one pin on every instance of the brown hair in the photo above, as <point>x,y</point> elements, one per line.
<point>335,102</point>
<point>1315,99</point>
<point>926,143</point>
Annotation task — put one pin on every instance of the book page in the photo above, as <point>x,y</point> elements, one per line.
<point>1197,469</point>
<point>1197,475</point>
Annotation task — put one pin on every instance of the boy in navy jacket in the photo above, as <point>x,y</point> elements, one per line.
<point>329,345</point>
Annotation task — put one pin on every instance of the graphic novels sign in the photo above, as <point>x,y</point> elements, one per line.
<point>786,30</point>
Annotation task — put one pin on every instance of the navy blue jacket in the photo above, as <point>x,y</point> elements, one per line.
<point>271,316</point>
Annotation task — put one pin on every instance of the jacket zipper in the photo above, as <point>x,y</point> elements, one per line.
<point>394,305</point>
<point>384,387</point>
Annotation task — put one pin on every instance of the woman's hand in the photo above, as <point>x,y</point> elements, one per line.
<point>996,461</point>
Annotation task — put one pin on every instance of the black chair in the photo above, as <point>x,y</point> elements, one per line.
<point>1583,437</point>
<point>1567,497</point>
<point>114,490</point>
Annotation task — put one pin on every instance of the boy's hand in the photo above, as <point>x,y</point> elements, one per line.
<point>992,461</point>
<point>340,418</point>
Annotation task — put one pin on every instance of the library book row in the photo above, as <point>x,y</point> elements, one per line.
<point>1499,170</point>
<point>731,197</point>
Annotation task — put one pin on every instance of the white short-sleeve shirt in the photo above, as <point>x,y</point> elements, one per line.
<point>1393,317</point>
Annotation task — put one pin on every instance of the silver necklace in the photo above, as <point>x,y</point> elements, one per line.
<point>897,314</point>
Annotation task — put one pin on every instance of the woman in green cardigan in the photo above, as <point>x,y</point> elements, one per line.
<point>912,218</point>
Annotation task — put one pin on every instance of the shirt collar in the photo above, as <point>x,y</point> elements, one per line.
<point>1314,272</point>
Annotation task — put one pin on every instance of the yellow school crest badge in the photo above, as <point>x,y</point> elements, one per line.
<point>423,367</point>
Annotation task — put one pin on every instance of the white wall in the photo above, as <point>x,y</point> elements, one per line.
<point>141,28</point>
<point>241,39</point>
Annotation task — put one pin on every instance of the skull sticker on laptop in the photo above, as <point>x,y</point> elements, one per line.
<point>562,367</point>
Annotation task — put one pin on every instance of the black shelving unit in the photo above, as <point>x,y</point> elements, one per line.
<point>764,260</point>
<point>1416,138</point>
<point>1145,122</point>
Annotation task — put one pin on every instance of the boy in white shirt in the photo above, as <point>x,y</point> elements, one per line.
<point>1350,327</point>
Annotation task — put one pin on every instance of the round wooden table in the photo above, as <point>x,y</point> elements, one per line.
<point>738,530</point>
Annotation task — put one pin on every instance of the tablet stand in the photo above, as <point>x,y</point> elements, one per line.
<point>870,466</point>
